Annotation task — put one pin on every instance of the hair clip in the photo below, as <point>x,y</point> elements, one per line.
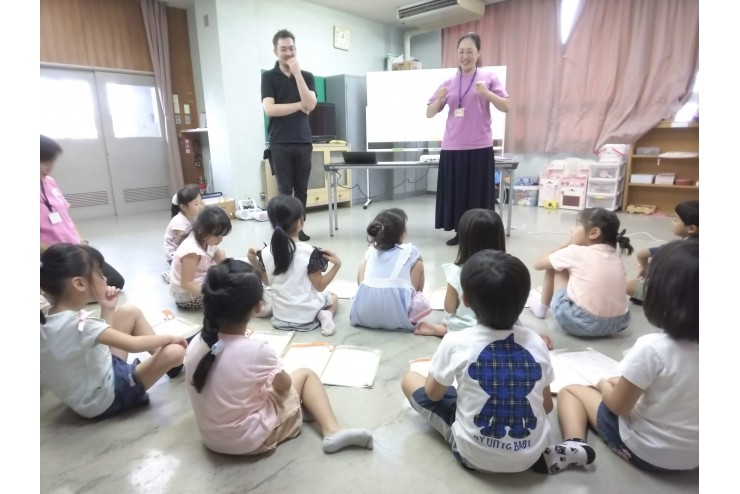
<point>217,347</point>
<point>621,234</point>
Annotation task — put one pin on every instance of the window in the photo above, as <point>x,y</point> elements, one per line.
<point>568,14</point>
<point>67,109</point>
<point>133,110</point>
<point>691,108</point>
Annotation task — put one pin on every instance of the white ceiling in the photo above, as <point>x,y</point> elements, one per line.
<point>378,10</point>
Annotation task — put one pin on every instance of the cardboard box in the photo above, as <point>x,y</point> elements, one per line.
<point>641,178</point>
<point>228,204</point>
<point>665,178</point>
<point>407,65</point>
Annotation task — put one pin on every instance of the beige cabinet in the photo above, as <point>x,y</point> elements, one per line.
<point>317,195</point>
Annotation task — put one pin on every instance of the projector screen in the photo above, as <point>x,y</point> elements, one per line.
<point>397,102</point>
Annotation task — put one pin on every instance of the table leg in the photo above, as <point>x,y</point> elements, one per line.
<point>511,201</point>
<point>327,178</point>
<point>336,201</point>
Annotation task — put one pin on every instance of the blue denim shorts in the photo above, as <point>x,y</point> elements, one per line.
<point>130,392</point>
<point>607,426</point>
<point>578,322</point>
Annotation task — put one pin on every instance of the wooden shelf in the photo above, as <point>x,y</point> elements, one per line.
<point>670,137</point>
<point>662,186</point>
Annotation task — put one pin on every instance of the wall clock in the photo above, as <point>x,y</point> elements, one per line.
<point>341,38</point>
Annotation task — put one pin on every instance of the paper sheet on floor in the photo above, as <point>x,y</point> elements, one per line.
<point>583,367</point>
<point>343,288</point>
<point>342,365</point>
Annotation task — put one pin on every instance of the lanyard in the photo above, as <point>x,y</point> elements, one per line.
<point>460,93</point>
<point>46,199</point>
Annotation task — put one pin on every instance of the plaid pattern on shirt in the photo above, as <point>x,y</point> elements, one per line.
<point>507,372</point>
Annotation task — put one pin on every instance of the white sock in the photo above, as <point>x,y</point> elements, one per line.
<point>327,322</point>
<point>568,454</point>
<point>534,301</point>
<point>346,438</point>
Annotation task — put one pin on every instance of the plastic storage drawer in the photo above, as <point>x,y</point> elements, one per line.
<point>610,202</point>
<point>606,170</point>
<point>604,185</point>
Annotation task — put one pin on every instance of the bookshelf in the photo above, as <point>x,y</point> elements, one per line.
<point>679,153</point>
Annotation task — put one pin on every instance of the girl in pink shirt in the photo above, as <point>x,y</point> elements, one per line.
<point>585,279</point>
<point>186,205</point>
<point>196,254</point>
<point>244,402</point>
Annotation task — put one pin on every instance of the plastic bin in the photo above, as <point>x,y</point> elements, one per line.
<point>610,202</point>
<point>525,195</point>
<point>606,170</point>
<point>604,185</point>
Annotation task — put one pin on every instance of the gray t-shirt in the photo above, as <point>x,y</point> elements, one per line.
<point>77,369</point>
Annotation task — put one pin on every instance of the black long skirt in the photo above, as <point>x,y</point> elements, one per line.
<point>464,181</point>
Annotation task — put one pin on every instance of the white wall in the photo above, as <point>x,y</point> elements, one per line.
<point>427,47</point>
<point>237,45</point>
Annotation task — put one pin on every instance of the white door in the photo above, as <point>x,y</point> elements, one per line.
<point>134,137</point>
<point>114,158</point>
<point>70,114</point>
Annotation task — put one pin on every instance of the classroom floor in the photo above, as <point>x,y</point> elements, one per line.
<point>158,450</point>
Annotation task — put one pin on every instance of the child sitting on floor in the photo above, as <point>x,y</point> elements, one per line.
<point>391,278</point>
<point>186,205</point>
<point>585,279</point>
<point>496,419</point>
<point>244,402</point>
<point>293,269</point>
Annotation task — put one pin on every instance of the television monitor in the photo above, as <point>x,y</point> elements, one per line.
<point>323,122</point>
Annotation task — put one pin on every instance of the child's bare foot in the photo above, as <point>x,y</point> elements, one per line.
<point>425,328</point>
<point>548,341</point>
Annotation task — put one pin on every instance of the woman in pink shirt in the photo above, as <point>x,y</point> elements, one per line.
<point>244,402</point>
<point>465,179</point>
<point>56,224</point>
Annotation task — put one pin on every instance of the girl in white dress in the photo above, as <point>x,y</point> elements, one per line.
<point>186,205</point>
<point>391,278</point>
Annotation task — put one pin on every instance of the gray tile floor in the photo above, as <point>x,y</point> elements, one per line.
<point>158,449</point>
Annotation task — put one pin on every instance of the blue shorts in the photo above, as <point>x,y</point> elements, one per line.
<point>130,392</point>
<point>607,426</point>
<point>440,415</point>
<point>578,322</point>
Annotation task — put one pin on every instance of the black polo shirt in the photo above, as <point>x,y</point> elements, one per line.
<point>293,128</point>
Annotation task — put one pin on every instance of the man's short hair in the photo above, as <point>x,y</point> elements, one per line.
<point>283,33</point>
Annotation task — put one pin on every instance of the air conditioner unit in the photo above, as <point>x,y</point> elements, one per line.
<point>436,14</point>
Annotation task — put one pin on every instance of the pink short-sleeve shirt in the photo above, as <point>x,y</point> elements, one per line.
<point>56,224</point>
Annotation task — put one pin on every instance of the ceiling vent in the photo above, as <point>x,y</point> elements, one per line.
<point>436,14</point>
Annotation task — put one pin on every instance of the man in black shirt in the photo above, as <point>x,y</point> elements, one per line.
<point>288,96</point>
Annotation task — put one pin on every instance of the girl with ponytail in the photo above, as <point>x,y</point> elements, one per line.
<point>294,271</point>
<point>244,402</point>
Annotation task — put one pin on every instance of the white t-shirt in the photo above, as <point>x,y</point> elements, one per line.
<point>663,427</point>
<point>178,223</point>
<point>463,317</point>
<point>77,369</point>
<point>488,353</point>
<point>294,297</point>
<point>598,278</point>
<point>233,411</point>
<point>190,246</point>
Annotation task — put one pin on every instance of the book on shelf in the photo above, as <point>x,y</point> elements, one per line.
<point>585,367</point>
<point>341,365</point>
<point>278,340</point>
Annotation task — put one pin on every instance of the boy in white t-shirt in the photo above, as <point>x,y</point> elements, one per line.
<point>649,415</point>
<point>496,419</point>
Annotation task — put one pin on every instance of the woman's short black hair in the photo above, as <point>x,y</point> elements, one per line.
<point>50,149</point>
<point>672,290</point>
<point>475,37</point>
<point>496,286</point>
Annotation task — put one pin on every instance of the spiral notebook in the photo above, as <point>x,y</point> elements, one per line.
<point>278,340</point>
<point>341,365</point>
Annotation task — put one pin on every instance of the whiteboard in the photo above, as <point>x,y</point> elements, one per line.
<point>397,102</point>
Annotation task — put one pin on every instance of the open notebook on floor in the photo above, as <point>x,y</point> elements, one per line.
<point>585,367</point>
<point>165,322</point>
<point>437,299</point>
<point>341,365</point>
<point>278,340</point>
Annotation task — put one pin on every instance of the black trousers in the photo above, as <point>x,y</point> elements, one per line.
<point>291,164</point>
<point>113,277</point>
